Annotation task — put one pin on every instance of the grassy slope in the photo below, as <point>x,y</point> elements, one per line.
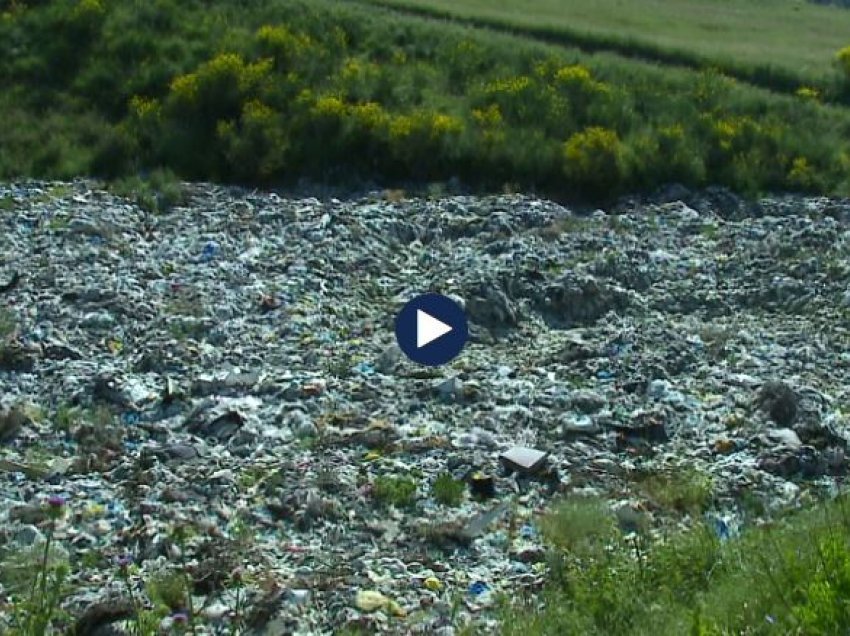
<point>791,576</point>
<point>111,89</point>
<point>795,37</point>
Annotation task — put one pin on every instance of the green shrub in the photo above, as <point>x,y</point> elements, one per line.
<point>684,490</point>
<point>395,491</point>
<point>825,604</point>
<point>447,490</point>
<point>842,59</point>
<point>332,92</point>
<point>158,193</point>
<point>593,161</point>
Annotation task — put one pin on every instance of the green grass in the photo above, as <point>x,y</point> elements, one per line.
<point>271,92</point>
<point>447,490</point>
<point>394,491</point>
<point>788,577</point>
<point>778,43</point>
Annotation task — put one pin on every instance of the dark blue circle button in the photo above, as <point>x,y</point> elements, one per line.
<point>431,329</point>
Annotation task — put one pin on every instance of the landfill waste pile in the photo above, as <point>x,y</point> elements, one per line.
<point>216,391</point>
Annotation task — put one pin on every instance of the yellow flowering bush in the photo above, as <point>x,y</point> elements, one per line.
<point>88,7</point>
<point>667,150</point>
<point>489,117</point>
<point>593,159</point>
<point>808,93</point>
<point>734,133</point>
<point>185,88</point>
<point>442,125</point>
<point>144,108</point>
<point>255,144</point>
<point>522,100</point>
<point>329,107</point>
<point>842,59</point>
<point>423,125</point>
<point>359,79</point>
<point>421,140</point>
<point>284,46</point>
<point>577,79</point>
<point>462,62</point>
<point>509,86</point>
<point>255,111</point>
<point>144,119</point>
<point>13,9</point>
<point>369,116</point>
<point>490,123</point>
<point>220,84</point>
<point>802,174</point>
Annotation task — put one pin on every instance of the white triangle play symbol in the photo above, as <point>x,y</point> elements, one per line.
<point>428,328</point>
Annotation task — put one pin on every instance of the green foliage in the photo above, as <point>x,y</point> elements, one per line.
<point>685,490</point>
<point>842,58</point>
<point>37,579</point>
<point>778,45</point>
<point>158,193</point>
<point>792,576</point>
<point>168,589</point>
<point>395,491</point>
<point>593,159</point>
<point>825,604</point>
<point>579,525</point>
<point>338,92</point>
<point>448,490</point>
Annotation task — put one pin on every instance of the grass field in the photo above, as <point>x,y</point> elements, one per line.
<point>785,39</point>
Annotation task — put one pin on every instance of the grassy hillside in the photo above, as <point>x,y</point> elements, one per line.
<point>271,91</point>
<point>778,43</point>
<point>789,577</point>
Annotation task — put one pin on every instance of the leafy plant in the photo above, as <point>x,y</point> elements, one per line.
<point>37,601</point>
<point>395,491</point>
<point>448,490</point>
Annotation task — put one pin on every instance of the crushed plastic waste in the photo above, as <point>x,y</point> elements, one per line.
<point>230,365</point>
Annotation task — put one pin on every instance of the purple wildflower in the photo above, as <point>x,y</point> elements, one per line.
<point>55,506</point>
<point>56,501</point>
<point>180,618</point>
<point>124,561</point>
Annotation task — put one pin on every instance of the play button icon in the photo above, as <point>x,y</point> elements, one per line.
<point>431,329</point>
<point>428,328</point>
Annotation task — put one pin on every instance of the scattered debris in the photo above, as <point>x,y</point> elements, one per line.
<point>218,385</point>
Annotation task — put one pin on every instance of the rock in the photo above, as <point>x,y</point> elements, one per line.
<point>784,437</point>
<point>389,359</point>
<point>820,433</point>
<point>658,389</point>
<point>370,601</point>
<point>672,192</point>
<point>176,451</point>
<point>98,618</point>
